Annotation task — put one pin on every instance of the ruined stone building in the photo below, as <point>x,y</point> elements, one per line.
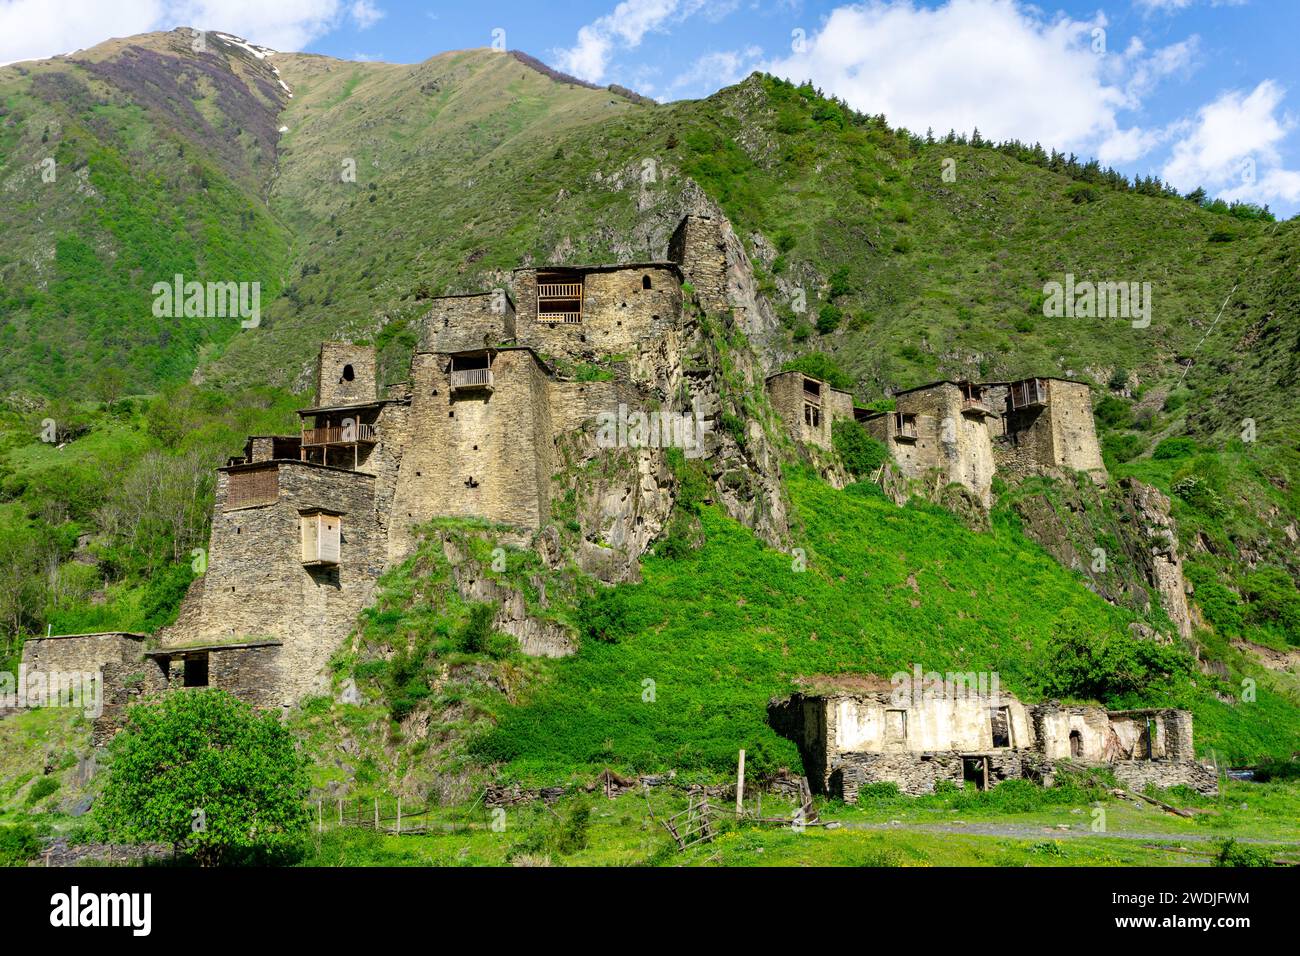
<point>303,525</point>
<point>808,406</point>
<point>957,432</point>
<point>855,731</point>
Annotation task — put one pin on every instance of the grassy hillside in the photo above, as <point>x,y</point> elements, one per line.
<point>676,672</point>
<point>123,167</point>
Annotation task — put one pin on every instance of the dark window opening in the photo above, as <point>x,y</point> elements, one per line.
<point>1076,744</point>
<point>812,415</point>
<point>348,373</point>
<point>1000,724</point>
<point>645,282</point>
<point>196,671</point>
<point>975,770</point>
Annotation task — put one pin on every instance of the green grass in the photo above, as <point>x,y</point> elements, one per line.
<point>722,630</point>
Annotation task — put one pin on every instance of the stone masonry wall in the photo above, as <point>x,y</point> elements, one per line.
<point>256,586</point>
<point>333,387</point>
<point>474,453</point>
<point>618,316</point>
<point>464,323</point>
<point>1074,433</point>
<point>81,653</point>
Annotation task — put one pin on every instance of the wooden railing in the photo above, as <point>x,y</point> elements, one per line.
<point>471,378</point>
<point>340,435</point>
<point>559,290</point>
<point>1024,394</point>
<point>560,318</point>
<point>905,426</point>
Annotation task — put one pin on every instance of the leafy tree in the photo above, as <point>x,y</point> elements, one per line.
<point>1087,661</point>
<point>860,454</point>
<point>202,770</point>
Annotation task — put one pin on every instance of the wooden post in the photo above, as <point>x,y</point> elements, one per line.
<point>399,816</point>
<point>340,811</point>
<point>320,820</point>
<point>740,785</point>
<point>376,814</point>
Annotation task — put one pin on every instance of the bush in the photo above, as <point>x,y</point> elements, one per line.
<point>18,844</point>
<point>828,318</point>
<point>472,636</point>
<point>821,366</point>
<point>1232,853</point>
<point>1090,663</point>
<point>859,453</point>
<point>1273,601</point>
<point>1174,448</point>
<point>1114,412</point>
<point>203,771</point>
<point>41,789</point>
<point>1122,448</point>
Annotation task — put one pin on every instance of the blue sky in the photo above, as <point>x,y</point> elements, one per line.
<point>1199,92</point>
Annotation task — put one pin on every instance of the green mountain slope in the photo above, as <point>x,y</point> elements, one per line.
<point>374,187</point>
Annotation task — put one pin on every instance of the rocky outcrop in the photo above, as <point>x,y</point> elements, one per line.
<point>1144,511</point>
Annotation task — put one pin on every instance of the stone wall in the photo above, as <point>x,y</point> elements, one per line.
<point>81,653</point>
<point>699,247</point>
<point>480,453</point>
<point>1053,726</point>
<point>463,323</point>
<point>335,363</point>
<point>1137,775</point>
<point>790,393</point>
<point>619,313</point>
<point>1074,433</point>
<point>256,586</point>
<point>917,774</point>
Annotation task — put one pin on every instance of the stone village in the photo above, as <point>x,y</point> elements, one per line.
<point>303,525</point>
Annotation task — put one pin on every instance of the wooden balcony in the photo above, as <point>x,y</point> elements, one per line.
<point>975,407</point>
<point>560,318</point>
<point>356,434</point>
<point>470,379</point>
<point>904,427</point>
<point>1028,394</point>
<point>559,290</point>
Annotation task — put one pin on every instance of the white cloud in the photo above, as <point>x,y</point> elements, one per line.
<point>33,29</point>
<point>366,14</point>
<point>997,64</point>
<point>1231,148</point>
<point>714,70</point>
<point>624,27</point>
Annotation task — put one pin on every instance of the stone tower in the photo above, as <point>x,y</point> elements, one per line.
<point>700,248</point>
<point>345,375</point>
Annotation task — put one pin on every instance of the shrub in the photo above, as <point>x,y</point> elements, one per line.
<point>819,365</point>
<point>18,844</point>
<point>1173,448</point>
<point>1081,193</point>
<point>1087,662</point>
<point>1122,448</point>
<point>472,636</point>
<point>1114,412</point>
<point>202,770</point>
<point>1273,601</point>
<point>41,789</point>
<point>828,318</point>
<point>859,453</point>
<point>1232,853</point>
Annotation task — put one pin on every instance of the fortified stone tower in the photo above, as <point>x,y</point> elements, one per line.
<point>699,248</point>
<point>345,375</point>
